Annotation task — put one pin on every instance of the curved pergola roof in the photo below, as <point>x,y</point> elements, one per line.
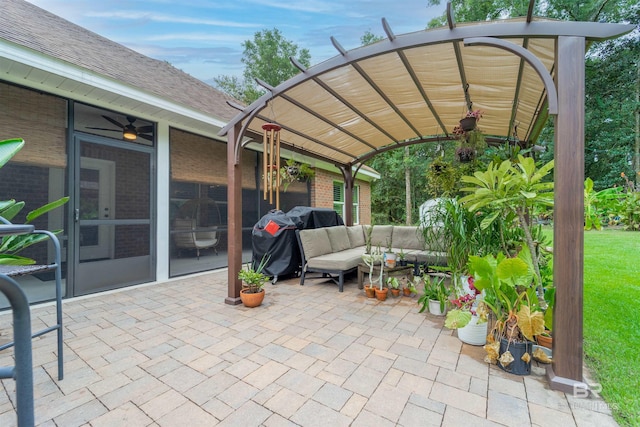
<point>415,87</point>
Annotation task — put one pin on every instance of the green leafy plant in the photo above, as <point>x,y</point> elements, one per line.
<point>393,282</point>
<point>598,204</point>
<point>253,279</point>
<point>511,188</point>
<point>10,246</point>
<point>294,171</point>
<point>434,289</point>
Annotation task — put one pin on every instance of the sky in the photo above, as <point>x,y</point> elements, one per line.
<point>204,37</point>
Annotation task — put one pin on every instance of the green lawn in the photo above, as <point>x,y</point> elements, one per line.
<point>612,318</point>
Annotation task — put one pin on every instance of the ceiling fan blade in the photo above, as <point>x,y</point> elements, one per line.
<point>121,126</point>
<point>144,129</point>
<point>110,130</point>
<point>147,137</point>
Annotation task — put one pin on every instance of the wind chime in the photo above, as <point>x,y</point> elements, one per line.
<point>271,162</point>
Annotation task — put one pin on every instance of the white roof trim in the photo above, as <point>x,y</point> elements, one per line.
<point>64,69</point>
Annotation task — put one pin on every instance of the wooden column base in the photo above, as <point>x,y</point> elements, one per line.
<point>565,385</point>
<point>232,301</point>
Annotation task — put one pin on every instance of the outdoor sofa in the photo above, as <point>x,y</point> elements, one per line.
<point>336,251</point>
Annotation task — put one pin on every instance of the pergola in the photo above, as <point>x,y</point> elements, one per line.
<point>412,89</point>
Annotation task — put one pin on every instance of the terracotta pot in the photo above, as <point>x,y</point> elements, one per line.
<point>370,291</point>
<point>406,291</point>
<point>381,294</point>
<point>544,341</point>
<point>395,293</point>
<point>251,299</point>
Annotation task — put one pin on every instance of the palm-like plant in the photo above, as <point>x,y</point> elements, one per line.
<point>511,189</point>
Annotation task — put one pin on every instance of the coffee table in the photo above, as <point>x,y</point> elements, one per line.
<point>397,271</point>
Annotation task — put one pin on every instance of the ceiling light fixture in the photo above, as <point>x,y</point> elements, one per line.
<point>130,133</point>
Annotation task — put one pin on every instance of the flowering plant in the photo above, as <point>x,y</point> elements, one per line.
<point>466,305</point>
<point>476,114</point>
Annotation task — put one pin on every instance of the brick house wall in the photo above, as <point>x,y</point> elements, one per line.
<point>322,193</point>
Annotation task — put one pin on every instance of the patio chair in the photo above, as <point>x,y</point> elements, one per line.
<point>186,235</point>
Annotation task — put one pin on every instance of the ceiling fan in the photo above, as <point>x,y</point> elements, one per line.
<point>129,132</point>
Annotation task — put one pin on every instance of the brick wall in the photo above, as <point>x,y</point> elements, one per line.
<point>322,193</point>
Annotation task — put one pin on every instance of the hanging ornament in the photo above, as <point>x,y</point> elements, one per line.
<point>271,162</point>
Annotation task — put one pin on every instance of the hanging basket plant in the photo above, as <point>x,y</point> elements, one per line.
<point>293,171</point>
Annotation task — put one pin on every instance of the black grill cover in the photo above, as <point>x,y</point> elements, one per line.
<point>275,234</point>
<point>307,217</point>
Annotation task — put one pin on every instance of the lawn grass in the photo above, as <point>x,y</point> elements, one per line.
<point>612,318</point>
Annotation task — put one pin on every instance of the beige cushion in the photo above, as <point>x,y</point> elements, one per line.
<point>339,261</point>
<point>407,237</point>
<point>356,235</point>
<point>315,242</point>
<point>381,236</point>
<point>339,238</point>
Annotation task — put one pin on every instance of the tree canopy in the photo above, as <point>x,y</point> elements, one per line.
<point>265,58</point>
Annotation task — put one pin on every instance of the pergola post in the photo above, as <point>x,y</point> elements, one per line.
<point>565,373</point>
<point>234,196</point>
<point>348,194</point>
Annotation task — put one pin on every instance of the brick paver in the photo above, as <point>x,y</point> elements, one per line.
<point>173,353</point>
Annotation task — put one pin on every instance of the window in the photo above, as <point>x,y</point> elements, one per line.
<point>338,201</point>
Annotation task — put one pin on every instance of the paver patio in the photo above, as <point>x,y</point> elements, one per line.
<point>173,354</point>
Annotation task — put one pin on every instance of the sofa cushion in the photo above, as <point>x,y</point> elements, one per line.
<point>315,242</point>
<point>338,261</point>
<point>381,236</point>
<point>407,237</point>
<point>338,238</point>
<point>428,257</point>
<point>356,235</point>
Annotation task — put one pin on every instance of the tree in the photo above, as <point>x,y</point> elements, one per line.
<point>265,58</point>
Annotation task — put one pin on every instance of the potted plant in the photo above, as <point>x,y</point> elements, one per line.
<point>394,285</point>
<point>389,255</point>
<point>469,316</point>
<point>509,292</point>
<point>402,258</point>
<point>435,296</point>
<point>410,288</point>
<point>293,171</point>
<point>371,258</point>
<point>253,280</point>
<point>469,121</point>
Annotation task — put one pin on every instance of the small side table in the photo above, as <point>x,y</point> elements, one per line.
<point>398,271</point>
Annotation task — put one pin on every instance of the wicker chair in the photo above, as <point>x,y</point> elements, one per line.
<point>186,235</point>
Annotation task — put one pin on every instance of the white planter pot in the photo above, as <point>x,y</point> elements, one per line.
<point>474,333</point>
<point>390,260</point>
<point>434,308</point>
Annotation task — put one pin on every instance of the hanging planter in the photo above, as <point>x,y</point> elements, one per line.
<point>465,154</point>
<point>468,123</point>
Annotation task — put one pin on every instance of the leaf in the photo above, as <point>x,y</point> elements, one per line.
<point>492,350</point>
<point>457,319</point>
<point>541,356</point>
<point>8,148</point>
<point>530,324</point>
<point>46,208</point>
<point>506,359</point>
<point>526,357</point>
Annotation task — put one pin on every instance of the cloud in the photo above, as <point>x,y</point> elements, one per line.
<point>156,17</point>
